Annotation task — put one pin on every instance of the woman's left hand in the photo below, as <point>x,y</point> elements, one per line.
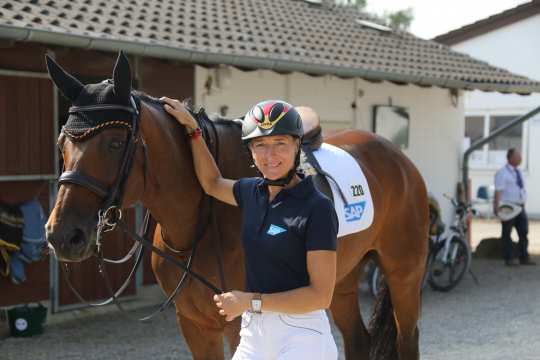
<point>232,304</point>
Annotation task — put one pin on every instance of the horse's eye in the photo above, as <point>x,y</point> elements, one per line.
<point>116,145</point>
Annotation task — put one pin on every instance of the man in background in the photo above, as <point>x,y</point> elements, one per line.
<point>510,189</point>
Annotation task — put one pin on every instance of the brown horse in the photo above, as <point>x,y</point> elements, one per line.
<point>163,179</point>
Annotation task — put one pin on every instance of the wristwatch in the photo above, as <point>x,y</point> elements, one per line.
<point>256,303</point>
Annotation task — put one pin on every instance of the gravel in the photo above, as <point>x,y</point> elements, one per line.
<point>497,319</point>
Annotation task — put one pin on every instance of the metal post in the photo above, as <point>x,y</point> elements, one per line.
<point>54,290</point>
<point>482,142</point>
<point>53,263</point>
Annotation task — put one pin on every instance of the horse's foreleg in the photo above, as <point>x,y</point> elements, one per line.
<point>406,299</point>
<point>205,343</point>
<point>347,317</point>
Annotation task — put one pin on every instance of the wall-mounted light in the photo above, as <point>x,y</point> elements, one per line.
<point>208,84</point>
<point>454,97</point>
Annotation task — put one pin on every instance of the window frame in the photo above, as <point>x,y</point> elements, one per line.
<point>484,163</point>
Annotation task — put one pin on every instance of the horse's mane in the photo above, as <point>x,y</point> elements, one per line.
<point>188,103</point>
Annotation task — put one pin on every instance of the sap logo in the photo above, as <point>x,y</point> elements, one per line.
<point>274,230</point>
<point>354,212</point>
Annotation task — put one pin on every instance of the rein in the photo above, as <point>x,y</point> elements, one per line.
<point>110,212</point>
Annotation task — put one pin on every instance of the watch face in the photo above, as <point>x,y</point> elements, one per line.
<point>256,305</point>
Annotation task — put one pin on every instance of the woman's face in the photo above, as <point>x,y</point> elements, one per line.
<point>274,155</point>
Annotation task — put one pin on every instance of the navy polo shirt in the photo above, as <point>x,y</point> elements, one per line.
<point>276,236</point>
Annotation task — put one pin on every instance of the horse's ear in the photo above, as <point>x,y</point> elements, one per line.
<point>67,84</point>
<point>122,77</point>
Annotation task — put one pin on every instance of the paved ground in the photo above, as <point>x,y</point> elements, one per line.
<point>498,319</point>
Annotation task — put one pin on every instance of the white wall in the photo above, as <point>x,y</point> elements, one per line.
<point>515,47</point>
<point>436,126</point>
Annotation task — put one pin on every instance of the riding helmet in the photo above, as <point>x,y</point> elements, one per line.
<point>271,117</point>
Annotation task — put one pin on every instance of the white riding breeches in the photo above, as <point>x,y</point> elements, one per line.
<point>279,336</point>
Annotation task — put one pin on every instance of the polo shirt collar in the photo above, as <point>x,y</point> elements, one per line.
<point>300,190</point>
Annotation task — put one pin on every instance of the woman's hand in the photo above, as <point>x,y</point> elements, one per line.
<point>232,304</point>
<point>178,110</point>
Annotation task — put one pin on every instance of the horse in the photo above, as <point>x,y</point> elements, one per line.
<point>161,176</point>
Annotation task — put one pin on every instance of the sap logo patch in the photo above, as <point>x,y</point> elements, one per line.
<point>274,230</point>
<point>354,212</point>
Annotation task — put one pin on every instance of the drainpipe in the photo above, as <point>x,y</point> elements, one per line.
<point>478,144</point>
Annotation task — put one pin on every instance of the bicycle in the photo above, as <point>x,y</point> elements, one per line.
<point>449,254</point>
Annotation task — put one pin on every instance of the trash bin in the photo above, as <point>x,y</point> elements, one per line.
<point>27,320</point>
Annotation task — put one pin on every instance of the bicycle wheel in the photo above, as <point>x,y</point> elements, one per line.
<point>448,268</point>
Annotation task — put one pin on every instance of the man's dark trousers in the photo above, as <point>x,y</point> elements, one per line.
<point>521,223</point>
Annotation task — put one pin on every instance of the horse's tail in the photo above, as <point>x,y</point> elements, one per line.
<point>382,327</point>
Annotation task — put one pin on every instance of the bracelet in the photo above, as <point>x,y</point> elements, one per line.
<point>197,132</point>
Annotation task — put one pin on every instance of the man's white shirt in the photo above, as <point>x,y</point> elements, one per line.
<point>506,182</point>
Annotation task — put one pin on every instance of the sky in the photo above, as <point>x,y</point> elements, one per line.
<point>435,17</point>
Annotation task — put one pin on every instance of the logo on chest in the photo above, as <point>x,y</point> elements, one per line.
<point>274,230</point>
<point>354,212</point>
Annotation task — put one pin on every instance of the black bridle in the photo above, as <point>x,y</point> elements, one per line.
<point>110,214</point>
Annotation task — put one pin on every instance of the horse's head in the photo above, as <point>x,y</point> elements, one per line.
<point>95,145</point>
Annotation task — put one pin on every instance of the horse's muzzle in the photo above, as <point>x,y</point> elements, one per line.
<point>72,244</point>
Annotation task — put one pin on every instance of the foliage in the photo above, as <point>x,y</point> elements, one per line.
<point>398,20</point>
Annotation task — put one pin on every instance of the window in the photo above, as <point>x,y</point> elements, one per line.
<point>474,128</point>
<point>511,138</point>
<point>494,153</point>
<point>392,122</point>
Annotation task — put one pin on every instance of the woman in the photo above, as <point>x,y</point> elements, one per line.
<point>288,235</point>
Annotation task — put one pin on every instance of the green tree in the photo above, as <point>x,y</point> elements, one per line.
<point>398,20</point>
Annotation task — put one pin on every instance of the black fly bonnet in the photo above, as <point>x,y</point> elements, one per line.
<point>87,121</point>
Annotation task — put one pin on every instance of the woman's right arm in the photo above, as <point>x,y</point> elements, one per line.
<point>206,169</point>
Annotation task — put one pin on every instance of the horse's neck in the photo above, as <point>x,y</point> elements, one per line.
<point>233,159</point>
<point>172,192</point>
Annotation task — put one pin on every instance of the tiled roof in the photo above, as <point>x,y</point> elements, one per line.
<point>493,22</point>
<point>283,35</point>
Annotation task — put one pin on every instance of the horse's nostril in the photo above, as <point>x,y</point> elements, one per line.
<point>77,237</point>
